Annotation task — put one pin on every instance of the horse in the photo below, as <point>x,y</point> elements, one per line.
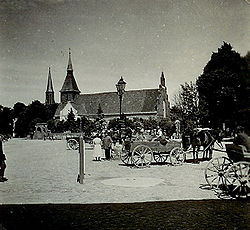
<point>204,139</point>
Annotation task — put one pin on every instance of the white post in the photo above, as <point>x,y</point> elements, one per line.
<point>81,160</point>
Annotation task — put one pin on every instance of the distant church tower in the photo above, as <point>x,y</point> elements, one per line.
<point>69,89</point>
<point>163,103</point>
<point>49,94</point>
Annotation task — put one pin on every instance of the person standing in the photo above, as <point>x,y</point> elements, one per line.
<point>2,161</point>
<point>107,143</point>
<point>97,153</point>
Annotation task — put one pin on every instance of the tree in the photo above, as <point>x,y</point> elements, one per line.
<point>87,126</point>
<point>72,123</point>
<point>166,125</point>
<point>186,106</point>
<point>6,121</point>
<point>27,116</point>
<point>222,88</point>
<point>100,114</point>
<point>50,110</point>
<point>18,109</point>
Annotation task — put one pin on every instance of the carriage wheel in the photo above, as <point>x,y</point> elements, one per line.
<point>238,179</point>
<point>142,156</point>
<point>73,144</point>
<point>160,157</point>
<point>126,157</point>
<point>216,170</point>
<point>177,156</point>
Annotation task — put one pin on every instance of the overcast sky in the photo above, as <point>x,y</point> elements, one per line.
<point>136,39</point>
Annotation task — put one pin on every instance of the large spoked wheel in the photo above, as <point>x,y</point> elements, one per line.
<point>73,144</point>
<point>126,157</point>
<point>238,179</point>
<point>160,157</point>
<point>216,170</point>
<point>142,156</point>
<point>177,156</point>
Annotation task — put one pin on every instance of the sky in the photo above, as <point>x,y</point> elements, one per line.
<point>136,39</point>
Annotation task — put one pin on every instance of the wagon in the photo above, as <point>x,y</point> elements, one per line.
<point>231,173</point>
<point>142,153</point>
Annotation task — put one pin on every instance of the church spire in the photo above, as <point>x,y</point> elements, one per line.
<point>49,84</point>
<point>163,83</point>
<point>50,91</point>
<point>69,89</point>
<point>70,66</point>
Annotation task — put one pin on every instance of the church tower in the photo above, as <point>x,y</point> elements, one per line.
<point>69,89</point>
<point>49,94</point>
<point>163,103</point>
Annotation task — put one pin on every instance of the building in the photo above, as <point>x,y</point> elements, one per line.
<point>143,103</point>
<point>49,94</point>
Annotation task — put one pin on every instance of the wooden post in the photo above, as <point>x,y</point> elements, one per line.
<point>81,160</point>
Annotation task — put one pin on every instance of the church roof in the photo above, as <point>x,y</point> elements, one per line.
<point>70,84</point>
<point>78,107</point>
<point>134,101</point>
<point>49,84</point>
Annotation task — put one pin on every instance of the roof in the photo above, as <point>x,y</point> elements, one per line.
<point>78,107</point>
<point>134,101</point>
<point>69,84</point>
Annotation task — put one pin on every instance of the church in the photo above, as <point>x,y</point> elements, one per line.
<point>142,103</point>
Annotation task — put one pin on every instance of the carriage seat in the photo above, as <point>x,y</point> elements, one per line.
<point>237,152</point>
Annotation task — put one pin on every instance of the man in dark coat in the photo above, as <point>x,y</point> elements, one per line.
<point>107,144</point>
<point>2,161</point>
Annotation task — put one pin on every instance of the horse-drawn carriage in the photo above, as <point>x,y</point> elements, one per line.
<point>142,153</point>
<point>231,173</point>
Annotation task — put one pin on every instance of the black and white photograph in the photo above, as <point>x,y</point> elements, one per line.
<point>124,114</point>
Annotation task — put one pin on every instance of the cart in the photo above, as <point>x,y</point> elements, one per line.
<point>142,153</point>
<point>231,173</point>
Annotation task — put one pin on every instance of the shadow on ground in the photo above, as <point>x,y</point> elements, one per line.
<point>204,214</point>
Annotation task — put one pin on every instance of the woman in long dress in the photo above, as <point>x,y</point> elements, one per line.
<point>97,153</point>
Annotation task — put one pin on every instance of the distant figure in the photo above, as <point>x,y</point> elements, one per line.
<point>117,149</point>
<point>97,153</point>
<point>2,161</point>
<point>242,138</point>
<point>107,144</point>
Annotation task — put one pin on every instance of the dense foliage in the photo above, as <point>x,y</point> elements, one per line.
<point>223,88</point>
<point>27,116</point>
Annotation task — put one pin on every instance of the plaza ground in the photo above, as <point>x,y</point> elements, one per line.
<point>46,172</point>
<point>42,191</point>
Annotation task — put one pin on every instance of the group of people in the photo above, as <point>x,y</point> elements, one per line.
<point>103,147</point>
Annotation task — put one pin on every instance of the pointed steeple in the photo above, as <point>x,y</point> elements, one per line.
<point>49,84</point>
<point>49,94</point>
<point>69,89</point>
<point>70,66</point>
<point>163,80</point>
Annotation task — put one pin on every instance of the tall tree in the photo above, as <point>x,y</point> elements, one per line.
<point>222,88</point>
